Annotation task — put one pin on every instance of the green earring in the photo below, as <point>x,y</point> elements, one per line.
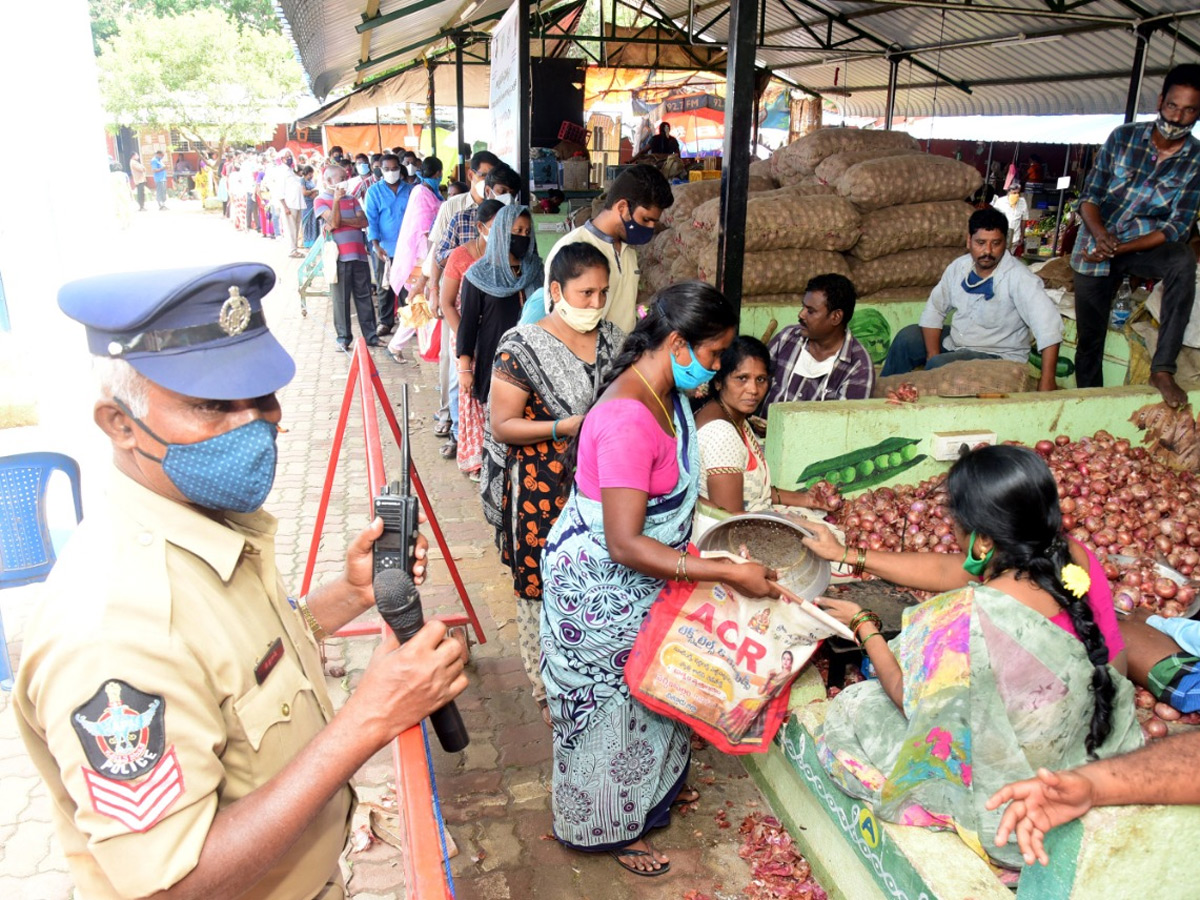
<point>975,566</point>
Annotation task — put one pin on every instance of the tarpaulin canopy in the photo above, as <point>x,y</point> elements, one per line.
<point>409,87</point>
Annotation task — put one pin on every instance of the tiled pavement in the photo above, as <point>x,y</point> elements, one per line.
<point>495,794</point>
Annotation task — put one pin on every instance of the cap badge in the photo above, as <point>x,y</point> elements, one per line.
<point>235,313</point>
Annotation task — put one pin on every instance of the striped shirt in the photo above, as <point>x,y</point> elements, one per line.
<point>1137,194</point>
<point>851,377</point>
<point>350,241</point>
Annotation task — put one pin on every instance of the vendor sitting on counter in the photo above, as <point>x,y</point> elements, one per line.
<point>1138,206</point>
<point>818,359</point>
<point>997,304</point>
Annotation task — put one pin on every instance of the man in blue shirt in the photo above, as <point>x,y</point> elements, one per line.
<point>1138,206</point>
<point>159,168</point>
<point>386,202</point>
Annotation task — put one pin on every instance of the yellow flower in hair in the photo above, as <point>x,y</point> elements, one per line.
<point>1075,579</point>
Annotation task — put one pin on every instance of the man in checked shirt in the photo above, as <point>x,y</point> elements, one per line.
<point>1138,206</point>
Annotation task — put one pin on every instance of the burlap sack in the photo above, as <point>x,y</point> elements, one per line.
<point>789,218</point>
<point>908,292</point>
<point>912,178</point>
<point>902,269</point>
<point>911,227</point>
<point>689,196</point>
<point>776,271</point>
<point>761,168</point>
<point>804,155</point>
<point>682,269</point>
<point>964,378</point>
<point>834,167</point>
<point>1057,273</point>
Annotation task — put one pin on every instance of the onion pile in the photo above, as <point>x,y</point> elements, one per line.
<point>1115,500</point>
<point>1156,717</point>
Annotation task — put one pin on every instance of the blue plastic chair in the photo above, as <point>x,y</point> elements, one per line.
<point>26,548</point>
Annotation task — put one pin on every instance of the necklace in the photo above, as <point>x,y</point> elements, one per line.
<point>743,430</point>
<point>661,405</point>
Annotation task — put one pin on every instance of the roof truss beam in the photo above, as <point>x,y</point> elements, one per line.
<point>1121,76</point>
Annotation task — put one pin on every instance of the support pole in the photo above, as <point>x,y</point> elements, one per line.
<point>459,103</point>
<point>525,89</point>
<point>893,81</point>
<point>1142,38</point>
<point>432,69</point>
<point>378,130</point>
<point>735,168</point>
<point>1061,193</point>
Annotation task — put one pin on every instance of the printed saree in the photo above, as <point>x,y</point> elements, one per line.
<point>617,765</point>
<point>992,691</point>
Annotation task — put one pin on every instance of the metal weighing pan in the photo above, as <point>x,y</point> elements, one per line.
<point>799,569</point>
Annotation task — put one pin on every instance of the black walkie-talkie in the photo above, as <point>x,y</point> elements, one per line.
<point>396,505</point>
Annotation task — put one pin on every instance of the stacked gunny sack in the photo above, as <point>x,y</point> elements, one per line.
<point>865,204</point>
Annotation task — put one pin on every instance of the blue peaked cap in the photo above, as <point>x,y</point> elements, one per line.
<point>199,332</point>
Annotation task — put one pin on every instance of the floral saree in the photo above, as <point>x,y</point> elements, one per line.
<point>992,691</point>
<point>617,765</point>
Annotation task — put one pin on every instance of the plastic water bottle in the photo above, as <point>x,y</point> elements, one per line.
<point>1122,306</point>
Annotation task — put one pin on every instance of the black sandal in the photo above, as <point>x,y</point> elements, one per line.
<point>627,852</point>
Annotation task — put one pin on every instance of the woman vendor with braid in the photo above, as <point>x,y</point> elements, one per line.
<point>1014,668</point>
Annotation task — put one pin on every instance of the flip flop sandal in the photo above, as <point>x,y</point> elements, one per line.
<point>681,800</point>
<point>442,430</point>
<point>650,873</point>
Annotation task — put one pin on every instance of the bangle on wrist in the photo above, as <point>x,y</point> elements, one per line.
<point>554,430</point>
<point>845,553</point>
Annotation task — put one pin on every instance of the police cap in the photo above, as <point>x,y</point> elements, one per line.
<point>199,332</point>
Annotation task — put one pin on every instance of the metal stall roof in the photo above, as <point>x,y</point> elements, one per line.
<point>955,57</point>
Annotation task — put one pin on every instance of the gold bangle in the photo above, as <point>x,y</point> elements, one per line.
<point>310,620</point>
<point>683,558</point>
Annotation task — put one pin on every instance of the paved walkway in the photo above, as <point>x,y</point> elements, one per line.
<point>495,794</point>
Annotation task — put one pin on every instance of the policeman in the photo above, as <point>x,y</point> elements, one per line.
<point>170,692</point>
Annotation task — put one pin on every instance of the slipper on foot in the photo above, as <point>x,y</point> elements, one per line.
<point>648,873</point>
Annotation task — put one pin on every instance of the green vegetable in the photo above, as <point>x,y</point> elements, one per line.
<point>864,467</point>
<point>871,330</point>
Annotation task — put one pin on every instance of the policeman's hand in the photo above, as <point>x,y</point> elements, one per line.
<point>360,560</point>
<point>403,685</point>
<point>1038,804</point>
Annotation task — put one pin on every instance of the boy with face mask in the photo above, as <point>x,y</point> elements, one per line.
<point>635,203</point>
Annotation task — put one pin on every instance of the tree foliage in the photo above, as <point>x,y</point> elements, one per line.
<point>198,72</point>
<point>109,15</point>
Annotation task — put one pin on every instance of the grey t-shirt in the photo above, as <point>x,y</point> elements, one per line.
<point>1002,325</point>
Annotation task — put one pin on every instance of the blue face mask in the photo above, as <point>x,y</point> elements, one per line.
<point>691,376</point>
<point>363,169</point>
<point>233,471</point>
<point>636,233</point>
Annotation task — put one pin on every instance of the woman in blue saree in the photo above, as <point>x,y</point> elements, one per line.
<point>618,766</point>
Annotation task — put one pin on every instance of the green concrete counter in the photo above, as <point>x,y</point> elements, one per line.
<point>800,434</point>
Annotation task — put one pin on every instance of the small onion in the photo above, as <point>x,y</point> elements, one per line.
<point>1166,712</point>
<point>1155,729</point>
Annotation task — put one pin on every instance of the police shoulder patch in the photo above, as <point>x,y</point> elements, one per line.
<point>122,730</point>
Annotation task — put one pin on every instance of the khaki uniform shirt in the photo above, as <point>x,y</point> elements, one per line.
<point>623,273</point>
<point>164,677</point>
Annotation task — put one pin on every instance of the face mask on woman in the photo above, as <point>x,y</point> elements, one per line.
<point>691,376</point>
<point>582,320</point>
<point>363,169</point>
<point>519,245</point>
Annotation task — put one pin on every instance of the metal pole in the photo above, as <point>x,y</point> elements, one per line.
<point>735,168</point>
<point>459,101</point>
<point>432,112</point>
<point>525,92</point>
<point>893,81</point>
<point>1142,38</point>
<point>1061,192</point>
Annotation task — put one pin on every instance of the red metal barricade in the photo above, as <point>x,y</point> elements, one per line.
<point>424,864</point>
